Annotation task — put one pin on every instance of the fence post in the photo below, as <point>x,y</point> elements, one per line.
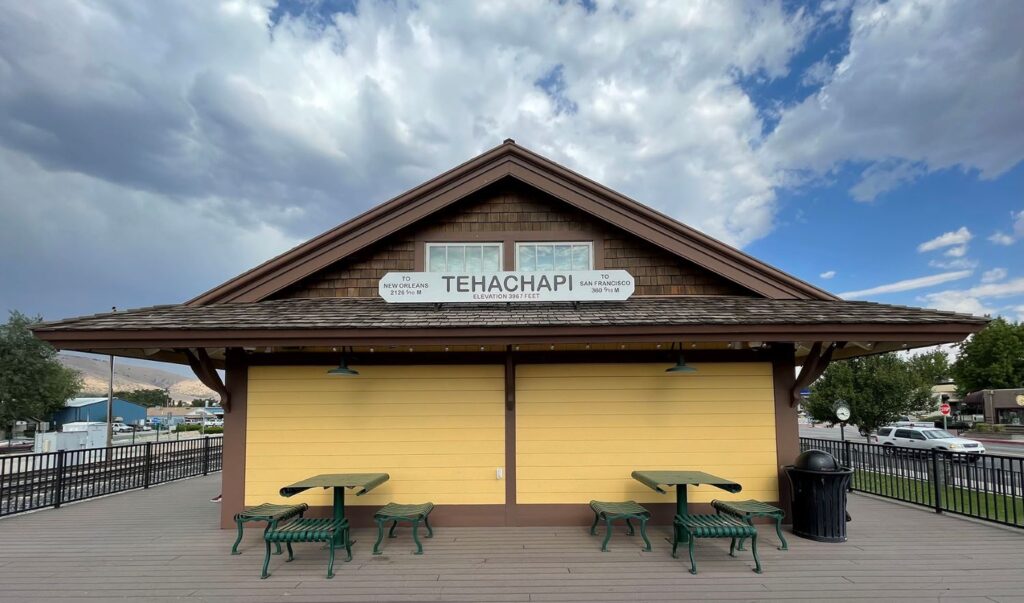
<point>848,462</point>
<point>58,496</point>
<point>937,481</point>
<point>206,455</point>
<point>147,465</point>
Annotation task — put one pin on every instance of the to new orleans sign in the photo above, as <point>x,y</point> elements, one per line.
<point>439,287</point>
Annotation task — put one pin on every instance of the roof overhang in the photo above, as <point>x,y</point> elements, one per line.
<point>165,339</point>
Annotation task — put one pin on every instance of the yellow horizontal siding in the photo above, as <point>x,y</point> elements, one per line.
<point>438,431</point>
<point>581,430</point>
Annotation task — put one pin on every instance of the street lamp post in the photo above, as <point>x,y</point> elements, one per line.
<point>110,405</point>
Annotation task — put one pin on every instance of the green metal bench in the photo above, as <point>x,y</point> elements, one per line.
<point>395,513</point>
<point>611,511</point>
<point>332,531</point>
<point>270,513</point>
<point>691,527</point>
<point>747,510</point>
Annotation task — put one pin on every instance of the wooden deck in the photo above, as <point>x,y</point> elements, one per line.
<point>163,544</point>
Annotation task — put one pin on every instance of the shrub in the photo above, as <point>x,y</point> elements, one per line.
<point>214,429</point>
<point>982,427</point>
<point>999,428</point>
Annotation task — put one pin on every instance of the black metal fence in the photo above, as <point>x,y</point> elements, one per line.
<point>989,487</point>
<point>50,479</point>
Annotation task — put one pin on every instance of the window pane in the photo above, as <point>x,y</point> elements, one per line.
<point>436,262</point>
<point>492,258</point>
<point>581,257</point>
<point>545,257</point>
<point>527,258</point>
<point>563,257</point>
<point>474,259</point>
<point>456,259</point>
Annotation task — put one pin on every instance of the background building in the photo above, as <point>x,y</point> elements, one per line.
<point>95,409</point>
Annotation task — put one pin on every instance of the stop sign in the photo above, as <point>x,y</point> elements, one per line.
<point>944,408</point>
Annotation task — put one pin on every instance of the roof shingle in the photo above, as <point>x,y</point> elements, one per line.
<point>373,313</point>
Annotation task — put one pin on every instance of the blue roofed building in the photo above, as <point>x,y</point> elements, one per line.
<point>95,409</point>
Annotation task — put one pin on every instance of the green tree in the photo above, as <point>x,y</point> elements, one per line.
<point>879,389</point>
<point>991,359</point>
<point>146,397</point>
<point>201,402</point>
<point>33,383</point>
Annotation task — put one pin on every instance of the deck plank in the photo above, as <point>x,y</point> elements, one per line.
<point>164,544</point>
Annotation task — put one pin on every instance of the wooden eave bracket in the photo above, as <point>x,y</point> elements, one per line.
<point>815,364</point>
<point>202,366</point>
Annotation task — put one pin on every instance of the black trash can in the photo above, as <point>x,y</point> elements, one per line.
<point>819,496</point>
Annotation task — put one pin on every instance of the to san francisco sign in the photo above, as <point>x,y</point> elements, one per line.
<point>439,287</point>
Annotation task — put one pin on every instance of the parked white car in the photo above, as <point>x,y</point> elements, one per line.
<point>930,438</point>
<point>122,428</point>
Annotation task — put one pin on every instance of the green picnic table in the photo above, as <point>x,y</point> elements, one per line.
<point>681,479</point>
<point>338,481</point>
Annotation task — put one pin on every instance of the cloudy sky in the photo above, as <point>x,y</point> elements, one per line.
<point>151,150</point>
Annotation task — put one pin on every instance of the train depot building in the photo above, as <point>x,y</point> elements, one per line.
<point>509,340</point>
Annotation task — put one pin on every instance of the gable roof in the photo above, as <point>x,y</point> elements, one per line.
<point>80,402</point>
<point>509,160</point>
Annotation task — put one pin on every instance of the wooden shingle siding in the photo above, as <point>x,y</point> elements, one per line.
<point>509,207</point>
<point>657,272</point>
<point>357,276</point>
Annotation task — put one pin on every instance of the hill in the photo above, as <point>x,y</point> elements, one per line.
<point>96,373</point>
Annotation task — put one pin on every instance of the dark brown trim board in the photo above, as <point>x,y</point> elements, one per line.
<point>233,472</point>
<point>787,428</point>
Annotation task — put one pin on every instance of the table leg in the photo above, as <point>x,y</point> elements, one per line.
<point>681,509</point>
<point>339,510</point>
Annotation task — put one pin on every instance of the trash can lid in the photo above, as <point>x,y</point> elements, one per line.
<point>817,460</point>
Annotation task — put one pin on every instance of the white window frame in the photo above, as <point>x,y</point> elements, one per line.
<point>498,244</point>
<point>589,244</point>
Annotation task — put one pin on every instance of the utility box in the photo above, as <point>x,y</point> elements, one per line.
<point>76,436</point>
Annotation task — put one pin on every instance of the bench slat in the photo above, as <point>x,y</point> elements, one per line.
<point>270,512</point>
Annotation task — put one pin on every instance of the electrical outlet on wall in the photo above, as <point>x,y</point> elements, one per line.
<point>499,473</point>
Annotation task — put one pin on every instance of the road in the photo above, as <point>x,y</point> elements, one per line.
<point>832,433</point>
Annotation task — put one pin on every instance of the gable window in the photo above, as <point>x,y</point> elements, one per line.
<point>464,258</point>
<point>540,257</point>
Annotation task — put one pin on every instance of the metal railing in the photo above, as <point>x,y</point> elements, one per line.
<point>50,479</point>
<point>989,486</point>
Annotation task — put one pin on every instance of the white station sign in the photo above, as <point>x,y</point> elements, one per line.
<point>440,287</point>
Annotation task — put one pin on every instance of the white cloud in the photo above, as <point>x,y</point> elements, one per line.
<point>1003,289</point>
<point>954,264</point>
<point>993,275</point>
<point>926,85</point>
<point>957,237</point>
<point>883,177</point>
<point>957,301</point>
<point>975,300</point>
<point>78,244</point>
<point>1020,313</point>
<point>341,114</point>
<point>1001,238</point>
<point>827,274</point>
<point>909,284</point>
